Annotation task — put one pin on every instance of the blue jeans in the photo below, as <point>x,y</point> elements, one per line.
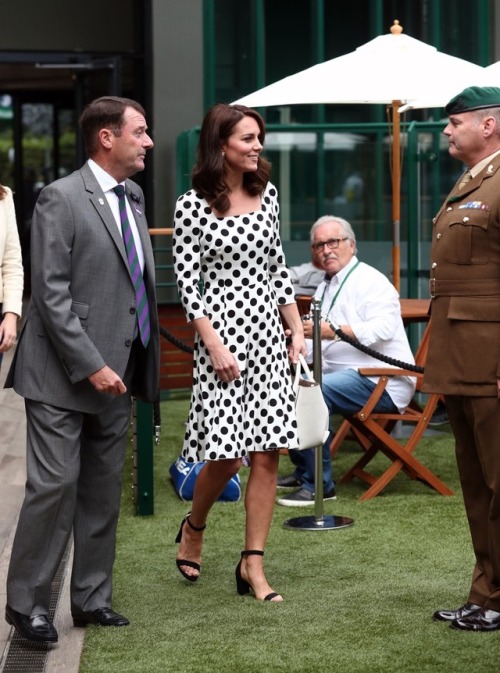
<point>345,393</point>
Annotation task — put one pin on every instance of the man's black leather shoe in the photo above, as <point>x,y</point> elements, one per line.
<point>101,616</point>
<point>459,613</point>
<point>484,620</point>
<point>38,627</point>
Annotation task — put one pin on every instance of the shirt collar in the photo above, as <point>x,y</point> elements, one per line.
<point>105,180</point>
<point>482,164</point>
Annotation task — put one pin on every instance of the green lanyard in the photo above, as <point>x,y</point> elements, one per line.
<point>338,291</point>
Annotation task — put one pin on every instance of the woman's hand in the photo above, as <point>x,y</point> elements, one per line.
<point>8,332</point>
<point>296,345</point>
<point>222,360</point>
<point>224,364</point>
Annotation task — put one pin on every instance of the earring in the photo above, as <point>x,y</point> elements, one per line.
<point>223,154</point>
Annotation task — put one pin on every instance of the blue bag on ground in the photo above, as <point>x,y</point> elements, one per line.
<point>184,476</point>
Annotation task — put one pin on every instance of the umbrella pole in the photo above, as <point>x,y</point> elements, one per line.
<point>396,195</point>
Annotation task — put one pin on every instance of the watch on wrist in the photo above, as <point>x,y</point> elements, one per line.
<point>334,327</point>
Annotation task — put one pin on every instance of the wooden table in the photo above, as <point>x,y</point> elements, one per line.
<point>415,310</point>
<point>412,310</point>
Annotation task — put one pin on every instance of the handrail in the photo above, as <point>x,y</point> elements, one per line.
<point>161,232</point>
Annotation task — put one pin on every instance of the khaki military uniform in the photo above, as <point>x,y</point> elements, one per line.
<point>463,361</point>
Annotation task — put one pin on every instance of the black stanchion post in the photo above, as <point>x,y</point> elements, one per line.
<point>318,451</point>
<point>143,476</point>
<point>319,521</point>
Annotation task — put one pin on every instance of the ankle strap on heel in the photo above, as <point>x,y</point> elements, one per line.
<point>252,552</point>
<point>196,528</point>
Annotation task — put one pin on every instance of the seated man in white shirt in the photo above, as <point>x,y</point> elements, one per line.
<point>365,305</point>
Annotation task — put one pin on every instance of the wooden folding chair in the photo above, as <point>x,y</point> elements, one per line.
<point>303,303</point>
<point>373,432</point>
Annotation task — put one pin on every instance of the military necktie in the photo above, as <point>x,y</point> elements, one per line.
<point>467,177</point>
<point>141,298</point>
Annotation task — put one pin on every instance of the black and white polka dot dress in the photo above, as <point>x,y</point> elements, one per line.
<point>241,264</point>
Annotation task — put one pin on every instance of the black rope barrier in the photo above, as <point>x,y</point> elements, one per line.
<point>370,351</point>
<point>157,416</point>
<point>175,341</point>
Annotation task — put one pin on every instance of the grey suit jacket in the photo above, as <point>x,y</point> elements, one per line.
<point>82,310</point>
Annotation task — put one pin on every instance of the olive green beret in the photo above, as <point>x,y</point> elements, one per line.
<point>474,98</point>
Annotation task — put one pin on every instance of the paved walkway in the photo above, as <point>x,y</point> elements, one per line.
<point>65,655</point>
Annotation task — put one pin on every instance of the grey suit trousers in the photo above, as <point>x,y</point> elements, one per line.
<point>74,484</point>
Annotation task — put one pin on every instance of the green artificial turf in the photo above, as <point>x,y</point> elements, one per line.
<point>357,600</point>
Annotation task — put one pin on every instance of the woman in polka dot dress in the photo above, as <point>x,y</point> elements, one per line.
<point>227,236</point>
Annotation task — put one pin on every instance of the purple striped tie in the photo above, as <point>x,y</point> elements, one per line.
<point>141,298</point>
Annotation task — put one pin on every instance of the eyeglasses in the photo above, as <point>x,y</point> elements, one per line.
<point>332,243</point>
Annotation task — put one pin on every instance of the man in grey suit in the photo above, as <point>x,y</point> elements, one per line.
<point>90,342</point>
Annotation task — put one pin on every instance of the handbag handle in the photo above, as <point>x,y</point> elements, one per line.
<point>300,367</point>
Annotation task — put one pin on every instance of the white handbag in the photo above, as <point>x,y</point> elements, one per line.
<point>313,418</point>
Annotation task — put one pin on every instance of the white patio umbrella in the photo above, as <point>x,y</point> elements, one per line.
<point>439,95</point>
<point>391,69</point>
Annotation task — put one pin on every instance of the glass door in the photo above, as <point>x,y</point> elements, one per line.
<point>37,146</point>
<point>39,135</point>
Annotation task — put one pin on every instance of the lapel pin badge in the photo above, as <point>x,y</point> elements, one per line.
<point>489,170</point>
<point>101,201</point>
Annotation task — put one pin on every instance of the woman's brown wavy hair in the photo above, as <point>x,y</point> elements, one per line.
<point>208,176</point>
<point>3,192</point>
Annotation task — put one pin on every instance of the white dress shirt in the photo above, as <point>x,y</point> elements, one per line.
<point>369,304</point>
<point>107,183</point>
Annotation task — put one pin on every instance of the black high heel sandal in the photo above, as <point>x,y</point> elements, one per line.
<point>185,562</point>
<point>242,586</point>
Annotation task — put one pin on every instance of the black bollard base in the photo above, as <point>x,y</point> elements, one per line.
<point>328,522</point>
